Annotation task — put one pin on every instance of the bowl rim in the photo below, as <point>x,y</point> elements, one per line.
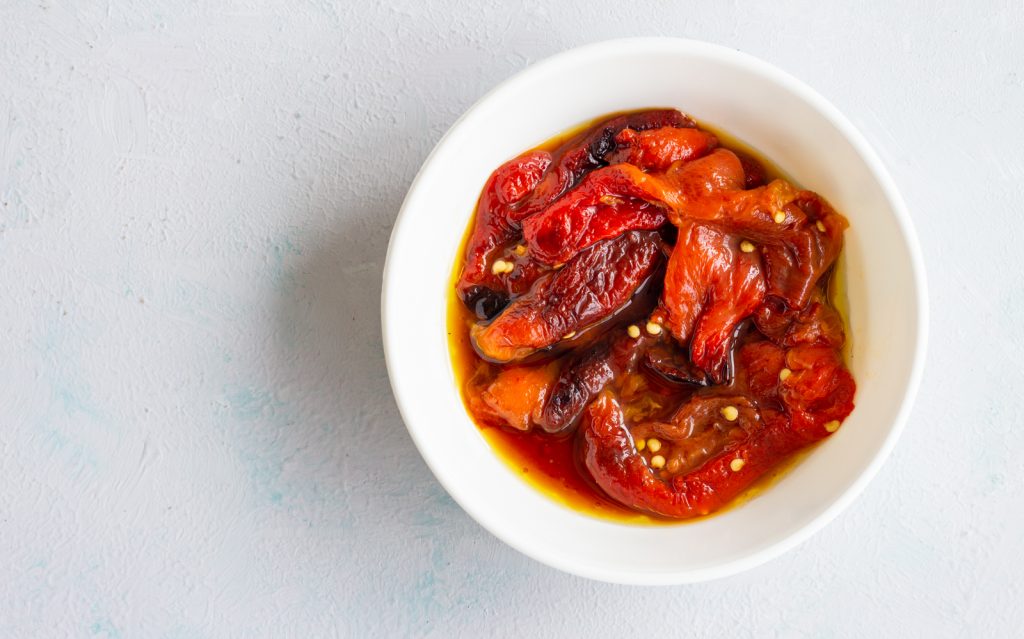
<point>748,62</point>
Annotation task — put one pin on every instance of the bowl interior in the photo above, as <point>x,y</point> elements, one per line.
<point>788,124</point>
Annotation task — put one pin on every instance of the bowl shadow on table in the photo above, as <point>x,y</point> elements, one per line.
<point>351,468</point>
<point>327,346</point>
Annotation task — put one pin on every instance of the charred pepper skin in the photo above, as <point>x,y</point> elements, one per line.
<point>588,289</point>
<point>526,185</point>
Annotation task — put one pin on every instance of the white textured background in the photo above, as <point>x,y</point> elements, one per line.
<point>198,438</point>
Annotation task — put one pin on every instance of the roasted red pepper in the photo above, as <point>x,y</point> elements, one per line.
<point>577,221</point>
<point>508,186</point>
<point>657,149</point>
<point>516,396</point>
<point>580,380</point>
<point>711,284</point>
<point>616,199</point>
<point>798,233</point>
<point>610,455</point>
<point>588,151</point>
<point>804,250</point>
<point>590,288</point>
<point>671,364</point>
<point>687,380</point>
<point>526,185</point>
<point>586,374</point>
<point>818,324</point>
<point>716,446</point>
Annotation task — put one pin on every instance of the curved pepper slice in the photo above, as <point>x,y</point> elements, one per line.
<point>585,375</point>
<point>579,220</point>
<point>657,149</point>
<point>579,381</point>
<point>615,465</point>
<point>622,197</point>
<point>508,186</point>
<point>589,288</point>
<point>711,285</point>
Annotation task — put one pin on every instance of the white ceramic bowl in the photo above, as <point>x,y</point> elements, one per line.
<point>787,122</point>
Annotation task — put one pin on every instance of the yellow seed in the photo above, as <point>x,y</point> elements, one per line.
<point>731,413</point>
<point>653,329</point>
<point>746,247</point>
<point>641,444</point>
<point>832,426</point>
<point>737,465</point>
<point>821,226</point>
<point>610,200</point>
<point>558,266</point>
<point>779,217</point>
<point>501,266</point>
<point>569,335</point>
<point>633,331</point>
<point>654,444</point>
<point>784,374</point>
<point>657,461</point>
<point>520,250</point>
